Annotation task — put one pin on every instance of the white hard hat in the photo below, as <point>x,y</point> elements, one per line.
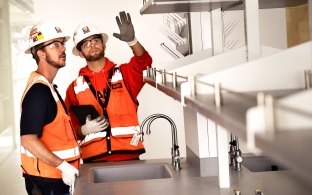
<point>43,31</point>
<point>83,31</point>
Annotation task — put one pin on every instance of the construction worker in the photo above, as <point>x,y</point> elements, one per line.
<point>112,90</point>
<point>50,153</point>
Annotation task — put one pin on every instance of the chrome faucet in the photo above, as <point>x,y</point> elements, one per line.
<point>238,159</point>
<point>175,153</point>
<point>232,151</point>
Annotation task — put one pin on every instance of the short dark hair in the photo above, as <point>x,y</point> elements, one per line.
<point>34,50</point>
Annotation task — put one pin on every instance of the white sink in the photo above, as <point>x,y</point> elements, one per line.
<point>131,172</point>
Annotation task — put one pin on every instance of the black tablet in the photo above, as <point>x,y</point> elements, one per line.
<point>82,111</point>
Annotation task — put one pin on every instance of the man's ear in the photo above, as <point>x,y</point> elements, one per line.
<point>80,54</point>
<point>40,53</point>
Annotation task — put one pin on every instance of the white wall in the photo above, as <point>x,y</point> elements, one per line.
<point>273,29</point>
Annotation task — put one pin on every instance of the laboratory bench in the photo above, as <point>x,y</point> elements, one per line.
<point>157,176</point>
<point>182,182</point>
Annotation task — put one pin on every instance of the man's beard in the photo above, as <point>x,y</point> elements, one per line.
<point>95,57</point>
<point>54,63</point>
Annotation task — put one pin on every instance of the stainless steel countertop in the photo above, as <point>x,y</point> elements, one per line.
<point>187,182</point>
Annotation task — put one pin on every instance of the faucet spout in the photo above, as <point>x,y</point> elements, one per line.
<point>175,153</point>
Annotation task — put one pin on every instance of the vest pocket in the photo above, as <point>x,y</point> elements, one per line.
<point>118,103</point>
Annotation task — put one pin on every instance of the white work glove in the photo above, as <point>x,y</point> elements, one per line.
<point>93,126</point>
<point>69,173</point>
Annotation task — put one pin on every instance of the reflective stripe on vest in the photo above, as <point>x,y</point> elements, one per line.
<point>81,85</point>
<point>125,130</point>
<point>63,154</point>
<point>92,136</point>
<point>117,76</point>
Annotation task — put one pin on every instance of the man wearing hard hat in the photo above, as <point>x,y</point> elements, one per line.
<point>50,153</point>
<point>112,90</point>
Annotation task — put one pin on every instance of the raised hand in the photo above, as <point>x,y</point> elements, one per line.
<point>126,27</point>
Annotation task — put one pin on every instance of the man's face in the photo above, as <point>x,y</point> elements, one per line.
<point>55,52</point>
<point>93,48</point>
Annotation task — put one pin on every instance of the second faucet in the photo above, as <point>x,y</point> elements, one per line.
<point>175,153</point>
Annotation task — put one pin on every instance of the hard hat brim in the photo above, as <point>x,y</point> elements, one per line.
<point>28,50</point>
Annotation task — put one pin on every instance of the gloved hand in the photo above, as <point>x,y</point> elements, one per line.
<point>69,173</point>
<point>93,126</point>
<point>126,29</point>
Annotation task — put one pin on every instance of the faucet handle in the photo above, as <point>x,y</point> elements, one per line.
<point>177,163</point>
<point>141,134</point>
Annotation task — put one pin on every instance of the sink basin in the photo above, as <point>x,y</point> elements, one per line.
<point>262,164</point>
<point>131,172</point>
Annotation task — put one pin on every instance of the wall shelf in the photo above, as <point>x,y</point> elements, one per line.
<point>175,6</point>
<point>270,4</point>
<point>231,115</point>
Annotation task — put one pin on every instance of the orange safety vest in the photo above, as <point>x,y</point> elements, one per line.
<point>122,116</point>
<point>57,136</point>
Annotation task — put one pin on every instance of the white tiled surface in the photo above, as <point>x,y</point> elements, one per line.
<point>11,179</point>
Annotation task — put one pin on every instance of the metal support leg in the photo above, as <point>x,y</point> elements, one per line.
<point>252,30</point>
<point>217,31</point>
<point>223,160</point>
